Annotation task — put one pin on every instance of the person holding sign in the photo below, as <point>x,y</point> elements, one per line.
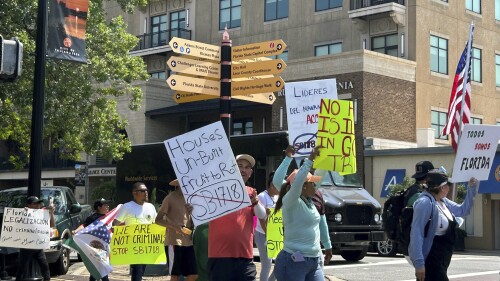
<point>138,211</point>
<point>26,255</point>
<point>178,240</point>
<point>268,198</point>
<point>230,237</point>
<point>300,258</point>
<point>433,226</point>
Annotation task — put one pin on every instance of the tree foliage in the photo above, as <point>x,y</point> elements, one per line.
<point>80,99</point>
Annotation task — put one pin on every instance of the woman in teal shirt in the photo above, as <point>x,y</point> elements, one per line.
<point>300,258</point>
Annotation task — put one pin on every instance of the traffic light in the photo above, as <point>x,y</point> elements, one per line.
<point>11,59</point>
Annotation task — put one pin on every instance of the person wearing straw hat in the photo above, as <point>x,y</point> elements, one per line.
<point>178,240</point>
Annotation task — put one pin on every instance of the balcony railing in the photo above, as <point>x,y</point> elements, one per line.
<point>358,4</point>
<point>157,39</point>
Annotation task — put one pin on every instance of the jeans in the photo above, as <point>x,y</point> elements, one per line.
<point>286,269</point>
<point>266,263</point>
<point>104,278</point>
<point>136,271</point>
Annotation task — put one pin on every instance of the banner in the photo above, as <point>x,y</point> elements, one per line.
<point>138,244</point>
<point>274,234</point>
<point>302,107</point>
<point>66,30</point>
<point>207,172</point>
<point>25,228</point>
<point>336,135</point>
<point>492,185</point>
<point>475,153</point>
<point>392,177</point>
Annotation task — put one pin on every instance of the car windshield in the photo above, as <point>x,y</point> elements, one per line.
<point>17,199</point>
<point>334,178</point>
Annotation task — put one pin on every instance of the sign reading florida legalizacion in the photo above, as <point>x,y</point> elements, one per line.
<point>138,243</point>
<point>336,135</point>
<point>25,228</point>
<point>274,234</point>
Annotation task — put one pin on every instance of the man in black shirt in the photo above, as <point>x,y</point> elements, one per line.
<point>421,170</point>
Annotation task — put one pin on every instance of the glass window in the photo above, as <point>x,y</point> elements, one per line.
<point>497,9</point>
<point>322,5</point>
<point>242,127</point>
<point>476,121</point>
<point>497,70</point>
<point>230,14</point>
<point>159,75</point>
<point>476,65</point>
<point>387,44</point>
<point>438,121</point>
<point>276,9</point>
<point>178,24</point>
<point>439,55</point>
<point>473,5</point>
<point>329,49</point>
<point>159,31</point>
<point>283,56</point>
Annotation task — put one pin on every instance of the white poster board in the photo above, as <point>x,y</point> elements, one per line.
<point>209,177</point>
<point>302,106</point>
<point>475,152</point>
<point>25,228</point>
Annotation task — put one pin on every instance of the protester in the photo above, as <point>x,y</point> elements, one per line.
<point>178,241</point>
<point>300,257</point>
<point>268,199</point>
<point>138,211</point>
<point>26,255</point>
<point>433,226</point>
<point>230,238</point>
<point>200,244</point>
<point>101,208</point>
<point>421,170</point>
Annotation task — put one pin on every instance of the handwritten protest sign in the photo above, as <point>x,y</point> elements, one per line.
<point>302,107</point>
<point>274,234</point>
<point>25,228</point>
<point>207,171</point>
<point>475,152</point>
<point>138,243</point>
<point>336,135</point>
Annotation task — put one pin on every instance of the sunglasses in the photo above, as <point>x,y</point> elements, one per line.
<point>141,190</point>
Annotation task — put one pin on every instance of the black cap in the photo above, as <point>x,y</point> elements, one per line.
<point>33,200</point>
<point>100,202</point>
<point>436,178</point>
<point>421,169</point>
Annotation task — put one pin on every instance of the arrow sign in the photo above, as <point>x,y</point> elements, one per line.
<point>266,98</point>
<point>194,67</point>
<point>183,97</point>
<point>258,68</point>
<point>256,86</point>
<point>195,49</point>
<point>193,85</point>
<point>262,49</point>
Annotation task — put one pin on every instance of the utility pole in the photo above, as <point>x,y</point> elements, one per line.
<point>225,83</point>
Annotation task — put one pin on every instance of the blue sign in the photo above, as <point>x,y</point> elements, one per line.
<point>492,185</point>
<point>392,177</point>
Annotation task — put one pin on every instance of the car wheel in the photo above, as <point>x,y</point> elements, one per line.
<point>354,255</point>
<point>387,248</point>
<point>62,264</point>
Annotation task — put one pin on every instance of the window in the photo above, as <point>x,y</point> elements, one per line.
<point>497,70</point>
<point>283,56</point>
<point>329,49</point>
<point>158,31</point>
<point>322,5</point>
<point>438,121</point>
<point>497,9</point>
<point>476,65</point>
<point>178,24</point>
<point>230,14</point>
<point>387,44</point>
<point>473,5</point>
<point>439,55</point>
<point>242,127</point>
<point>498,123</point>
<point>159,75</point>
<point>276,9</point>
<point>476,121</point>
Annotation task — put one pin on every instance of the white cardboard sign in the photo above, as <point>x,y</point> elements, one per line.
<point>302,106</point>
<point>25,228</point>
<point>208,174</point>
<point>475,152</point>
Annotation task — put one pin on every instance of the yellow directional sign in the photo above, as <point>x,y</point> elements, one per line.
<point>194,67</point>
<point>266,98</point>
<point>193,85</point>
<point>256,86</point>
<point>195,49</point>
<point>182,97</point>
<point>258,68</point>
<point>262,49</point>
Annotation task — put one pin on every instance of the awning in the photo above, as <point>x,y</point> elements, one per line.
<point>203,107</point>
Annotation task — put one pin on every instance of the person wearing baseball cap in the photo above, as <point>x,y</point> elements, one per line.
<point>412,192</point>
<point>431,250</point>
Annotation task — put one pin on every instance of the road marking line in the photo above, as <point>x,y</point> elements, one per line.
<point>466,275</point>
<point>402,261</point>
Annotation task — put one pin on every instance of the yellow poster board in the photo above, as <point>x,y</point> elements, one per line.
<point>138,244</point>
<point>274,234</point>
<point>336,135</point>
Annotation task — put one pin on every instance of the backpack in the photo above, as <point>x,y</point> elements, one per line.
<point>405,221</point>
<point>393,208</point>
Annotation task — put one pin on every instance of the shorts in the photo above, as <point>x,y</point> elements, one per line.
<point>184,261</point>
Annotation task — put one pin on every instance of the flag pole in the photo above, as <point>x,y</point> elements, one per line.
<point>466,78</point>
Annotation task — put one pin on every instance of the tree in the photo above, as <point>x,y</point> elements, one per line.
<point>80,106</point>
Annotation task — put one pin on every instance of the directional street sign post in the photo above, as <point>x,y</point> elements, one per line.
<point>194,85</point>
<point>256,86</point>
<point>194,67</point>
<point>183,97</point>
<point>258,68</point>
<point>262,49</point>
<point>195,49</point>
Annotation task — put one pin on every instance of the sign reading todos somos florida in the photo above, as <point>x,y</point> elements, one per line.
<point>475,152</point>
<point>25,228</point>
<point>208,174</point>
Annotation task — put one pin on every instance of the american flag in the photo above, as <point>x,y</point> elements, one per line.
<point>453,124</point>
<point>98,229</point>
